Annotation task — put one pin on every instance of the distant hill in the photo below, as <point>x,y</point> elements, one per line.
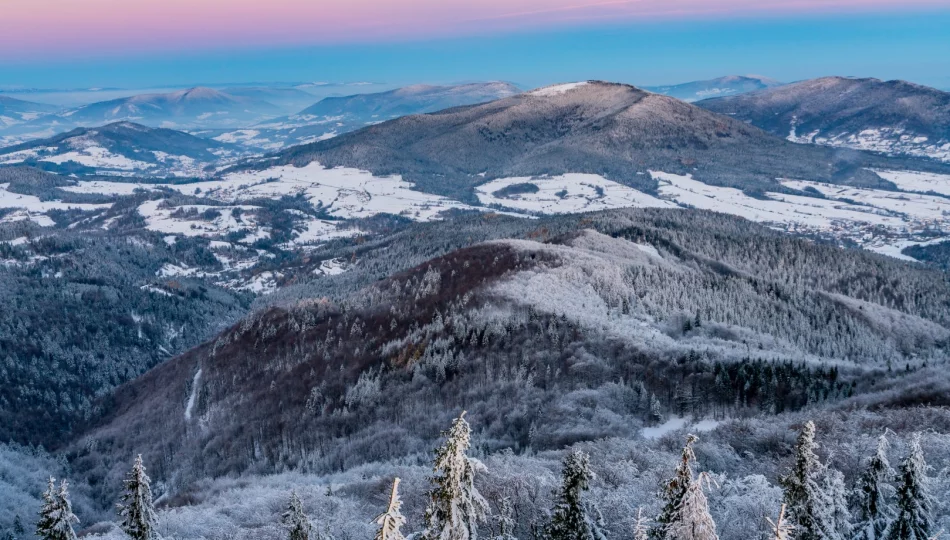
<point>893,117</point>
<point>119,148</point>
<point>15,111</point>
<point>721,86</point>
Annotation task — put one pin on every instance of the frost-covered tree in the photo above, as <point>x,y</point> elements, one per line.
<point>807,502</point>
<point>839,515</point>
<point>571,519</point>
<point>781,529</point>
<point>914,519</point>
<point>135,507</point>
<point>675,489</point>
<point>641,529</point>
<point>506,520</point>
<point>455,506</point>
<point>56,517</point>
<point>874,493</point>
<point>692,520</point>
<point>296,521</point>
<point>392,519</point>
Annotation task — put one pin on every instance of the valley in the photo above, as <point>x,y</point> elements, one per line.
<point>272,300</point>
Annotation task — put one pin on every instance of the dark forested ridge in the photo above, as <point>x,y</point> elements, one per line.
<point>577,328</point>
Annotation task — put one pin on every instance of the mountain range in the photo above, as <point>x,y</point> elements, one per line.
<point>585,266</point>
<point>335,115</point>
<point>892,117</point>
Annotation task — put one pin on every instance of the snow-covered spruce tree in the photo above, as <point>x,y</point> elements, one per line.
<point>692,519</point>
<point>571,519</point>
<point>808,505</point>
<point>914,504</point>
<point>135,507</point>
<point>56,517</point>
<point>392,519</point>
<point>455,506</point>
<point>874,493</point>
<point>296,521</point>
<point>675,489</point>
<point>839,515</point>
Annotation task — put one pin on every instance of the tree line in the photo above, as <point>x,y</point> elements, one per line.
<point>887,505</point>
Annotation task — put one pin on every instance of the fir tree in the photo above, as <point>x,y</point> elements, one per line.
<point>135,507</point>
<point>56,517</point>
<point>455,506</point>
<point>18,529</point>
<point>675,489</point>
<point>692,519</point>
<point>296,520</point>
<point>914,503</point>
<point>807,503</point>
<point>839,515</point>
<point>571,519</point>
<point>392,519</point>
<point>874,493</point>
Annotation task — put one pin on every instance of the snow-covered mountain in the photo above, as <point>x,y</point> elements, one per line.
<point>892,117</point>
<point>123,148</point>
<point>712,88</point>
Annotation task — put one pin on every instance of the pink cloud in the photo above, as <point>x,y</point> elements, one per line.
<point>30,28</point>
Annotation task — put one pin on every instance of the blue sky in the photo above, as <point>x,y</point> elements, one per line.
<point>912,46</point>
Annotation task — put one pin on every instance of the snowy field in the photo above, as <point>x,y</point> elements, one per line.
<point>891,141</point>
<point>917,181</point>
<point>345,192</point>
<point>567,193</point>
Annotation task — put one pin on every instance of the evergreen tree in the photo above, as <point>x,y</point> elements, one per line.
<point>808,505</point>
<point>392,519</point>
<point>18,529</point>
<point>839,515</point>
<point>692,519</point>
<point>675,489</point>
<point>296,521</point>
<point>455,506</point>
<point>874,493</point>
<point>571,519</point>
<point>135,507</point>
<point>914,504</point>
<point>56,517</point>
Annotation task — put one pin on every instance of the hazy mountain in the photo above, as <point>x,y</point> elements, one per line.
<point>289,99</point>
<point>121,148</point>
<point>194,107</point>
<point>15,111</point>
<point>332,116</point>
<point>722,86</point>
<point>893,117</point>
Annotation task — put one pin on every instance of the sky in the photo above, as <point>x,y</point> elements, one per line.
<point>150,43</point>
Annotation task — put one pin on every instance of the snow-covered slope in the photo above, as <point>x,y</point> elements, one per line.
<point>891,117</point>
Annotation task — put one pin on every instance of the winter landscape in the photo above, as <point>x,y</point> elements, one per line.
<point>416,270</point>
